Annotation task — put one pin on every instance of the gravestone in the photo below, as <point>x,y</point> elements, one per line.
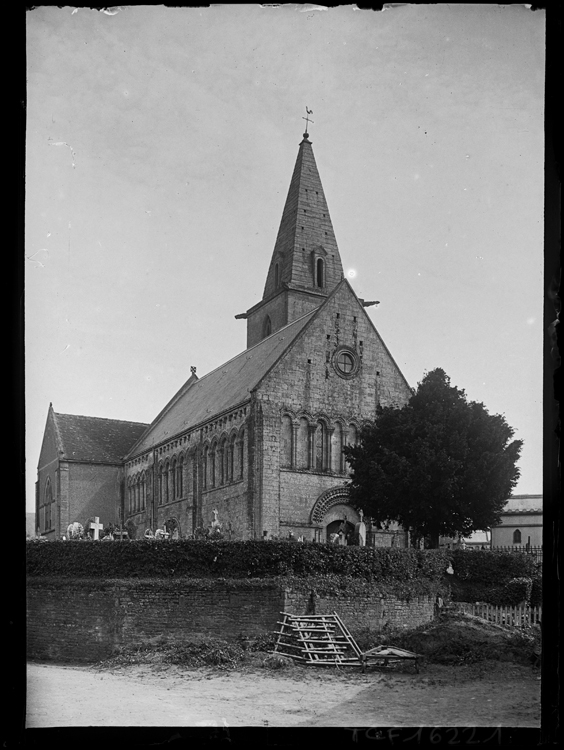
<point>214,530</point>
<point>75,530</point>
<point>171,526</point>
<point>95,527</point>
<point>360,530</point>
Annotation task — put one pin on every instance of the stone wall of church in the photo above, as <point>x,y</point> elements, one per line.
<point>48,487</point>
<point>275,309</point>
<point>298,492</point>
<point>309,411</point>
<point>301,303</point>
<point>81,491</point>
<point>306,378</point>
<point>95,490</point>
<point>231,503</point>
<point>189,477</point>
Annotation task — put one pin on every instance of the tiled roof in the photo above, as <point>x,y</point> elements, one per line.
<point>94,439</point>
<point>229,385</point>
<point>524,503</point>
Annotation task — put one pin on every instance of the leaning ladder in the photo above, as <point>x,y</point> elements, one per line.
<point>326,640</point>
<point>316,639</point>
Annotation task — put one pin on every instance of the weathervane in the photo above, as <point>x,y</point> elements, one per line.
<point>308,112</point>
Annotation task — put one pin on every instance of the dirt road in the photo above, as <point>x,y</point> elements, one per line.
<point>496,694</point>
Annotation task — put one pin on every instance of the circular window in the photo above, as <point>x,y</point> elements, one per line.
<point>345,362</point>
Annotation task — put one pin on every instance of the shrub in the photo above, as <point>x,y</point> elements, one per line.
<point>230,559</point>
<point>486,576</point>
<point>536,592</point>
<point>518,590</point>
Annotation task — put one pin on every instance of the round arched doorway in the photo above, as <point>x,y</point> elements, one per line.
<point>332,513</point>
<point>335,528</point>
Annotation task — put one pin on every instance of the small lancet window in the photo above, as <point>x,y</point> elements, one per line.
<point>319,273</point>
<point>517,537</point>
<point>267,327</point>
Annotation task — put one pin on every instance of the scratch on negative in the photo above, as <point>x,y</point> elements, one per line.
<point>39,263</point>
<point>62,143</point>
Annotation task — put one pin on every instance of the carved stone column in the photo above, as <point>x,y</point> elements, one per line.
<point>311,430</point>
<point>328,452</point>
<point>294,449</point>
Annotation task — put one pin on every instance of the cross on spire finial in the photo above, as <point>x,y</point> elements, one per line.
<point>308,113</point>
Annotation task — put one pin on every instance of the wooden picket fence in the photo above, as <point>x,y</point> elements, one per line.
<point>514,617</point>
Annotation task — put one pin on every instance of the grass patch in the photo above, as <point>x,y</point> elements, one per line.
<point>195,652</point>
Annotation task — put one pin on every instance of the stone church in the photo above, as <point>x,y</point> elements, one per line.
<point>260,438</point>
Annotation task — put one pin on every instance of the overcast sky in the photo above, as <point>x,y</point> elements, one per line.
<point>160,146</point>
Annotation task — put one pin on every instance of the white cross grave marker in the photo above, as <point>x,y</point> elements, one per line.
<point>96,526</point>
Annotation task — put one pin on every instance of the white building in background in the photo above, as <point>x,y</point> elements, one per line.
<point>520,524</point>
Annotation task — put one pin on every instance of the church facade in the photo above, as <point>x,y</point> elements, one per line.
<point>260,439</point>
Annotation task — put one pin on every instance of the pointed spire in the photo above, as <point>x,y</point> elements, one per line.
<point>306,255</point>
<point>305,265</point>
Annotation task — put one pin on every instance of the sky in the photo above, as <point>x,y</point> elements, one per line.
<point>159,150</point>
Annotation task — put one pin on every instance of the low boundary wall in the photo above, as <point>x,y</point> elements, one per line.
<point>71,620</point>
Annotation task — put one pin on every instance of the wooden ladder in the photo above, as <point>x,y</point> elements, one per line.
<point>316,639</point>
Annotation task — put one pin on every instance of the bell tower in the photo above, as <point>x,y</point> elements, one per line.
<point>305,265</point>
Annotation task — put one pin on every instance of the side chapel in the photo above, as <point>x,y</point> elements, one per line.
<point>260,438</point>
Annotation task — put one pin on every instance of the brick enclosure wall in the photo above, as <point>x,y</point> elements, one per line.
<point>364,612</point>
<point>84,621</point>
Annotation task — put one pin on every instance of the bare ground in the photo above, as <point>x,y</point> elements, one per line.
<point>492,693</point>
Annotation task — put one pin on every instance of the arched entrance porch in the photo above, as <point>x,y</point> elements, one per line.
<point>331,512</point>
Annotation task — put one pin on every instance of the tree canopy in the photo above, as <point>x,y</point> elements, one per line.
<point>439,466</point>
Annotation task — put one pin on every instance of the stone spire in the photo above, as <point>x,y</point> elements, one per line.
<point>305,265</point>
<point>305,231</point>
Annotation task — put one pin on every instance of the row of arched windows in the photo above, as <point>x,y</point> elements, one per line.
<point>170,485</point>
<point>137,492</point>
<point>223,460</point>
<point>171,480</point>
<point>314,444</point>
<point>222,463</point>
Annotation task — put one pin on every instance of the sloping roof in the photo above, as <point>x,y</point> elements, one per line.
<point>95,439</point>
<point>225,387</point>
<point>524,503</point>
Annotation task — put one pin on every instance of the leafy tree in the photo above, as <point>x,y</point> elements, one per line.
<point>440,466</point>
